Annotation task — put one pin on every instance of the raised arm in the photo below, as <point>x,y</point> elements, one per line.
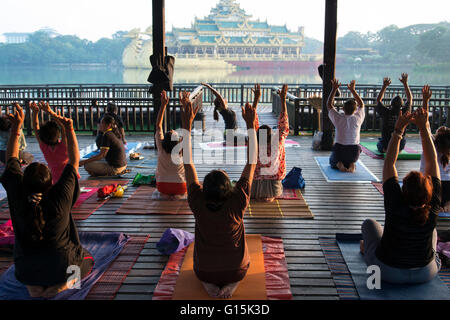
<point>386,83</point>
<point>72,142</point>
<point>162,111</point>
<point>283,94</point>
<point>409,96</point>
<point>389,169</point>
<point>216,94</point>
<point>35,119</point>
<point>334,88</point>
<point>249,115</point>
<point>44,106</point>
<point>187,116</point>
<point>12,150</point>
<point>352,87</point>
<point>421,121</point>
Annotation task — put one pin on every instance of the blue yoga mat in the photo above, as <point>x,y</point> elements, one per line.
<point>129,148</point>
<point>432,290</point>
<point>362,174</point>
<point>104,247</point>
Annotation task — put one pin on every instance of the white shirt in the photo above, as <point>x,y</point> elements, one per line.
<point>348,127</point>
<point>167,169</point>
<point>445,172</point>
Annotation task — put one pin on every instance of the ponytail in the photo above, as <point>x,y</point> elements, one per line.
<point>216,114</point>
<point>421,214</point>
<point>417,193</point>
<point>37,217</point>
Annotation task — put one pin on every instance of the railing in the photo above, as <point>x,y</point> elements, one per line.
<point>304,117</point>
<point>86,103</point>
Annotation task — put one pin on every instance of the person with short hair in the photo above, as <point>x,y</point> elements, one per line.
<point>221,257</point>
<point>405,250</point>
<point>52,140</point>
<point>46,237</point>
<point>346,149</point>
<point>112,159</point>
<point>389,115</point>
<point>169,175</point>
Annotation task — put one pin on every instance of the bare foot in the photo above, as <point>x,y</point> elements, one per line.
<point>53,291</point>
<point>35,291</point>
<point>268,199</point>
<point>341,167</point>
<point>227,291</point>
<point>352,168</point>
<point>211,289</point>
<point>361,246</point>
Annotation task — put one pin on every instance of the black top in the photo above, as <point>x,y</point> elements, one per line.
<point>116,156</point>
<point>44,263</point>
<point>229,116</point>
<point>405,244</point>
<point>389,119</point>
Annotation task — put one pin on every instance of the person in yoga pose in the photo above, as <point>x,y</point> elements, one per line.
<point>442,144</point>
<point>405,250</point>
<point>221,257</point>
<point>221,106</point>
<point>346,149</point>
<point>112,159</point>
<point>46,238</point>
<point>169,175</point>
<point>52,140</point>
<point>271,167</point>
<point>5,129</point>
<point>390,115</point>
<point>112,110</point>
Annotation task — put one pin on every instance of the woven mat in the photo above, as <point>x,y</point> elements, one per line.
<point>140,203</point>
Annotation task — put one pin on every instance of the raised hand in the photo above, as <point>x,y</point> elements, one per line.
<point>257,92</point>
<point>33,106</point>
<point>18,118</point>
<point>404,120</point>
<point>420,118</point>
<point>404,79</point>
<point>249,115</point>
<point>335,84</point>
<point>352,86</point>
<point>283,92</point>
<point>164,98</point>
<point>44,106</point>
<point>386,82</point>
<point>426,93</point>
<point>187,115</point>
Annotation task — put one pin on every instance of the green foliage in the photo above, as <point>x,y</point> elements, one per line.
<point>41,49</point>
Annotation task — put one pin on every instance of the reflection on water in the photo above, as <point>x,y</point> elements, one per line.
<point>104,75</point>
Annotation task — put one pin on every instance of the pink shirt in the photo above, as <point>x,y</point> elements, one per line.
<point>274,166</point>
<point>56,157</point>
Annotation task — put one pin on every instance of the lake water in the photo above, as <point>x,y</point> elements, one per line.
<point>67,75</point>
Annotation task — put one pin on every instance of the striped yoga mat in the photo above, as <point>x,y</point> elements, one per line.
<point>141,203</point>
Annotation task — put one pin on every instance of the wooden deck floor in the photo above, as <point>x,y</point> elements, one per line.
<point>337,207</point>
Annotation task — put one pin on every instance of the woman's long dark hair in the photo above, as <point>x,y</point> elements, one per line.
<point>442,143</point>
<point>109,120</point>
<point>417,192</point>
<point>37,181</point>
<point>217,189</point>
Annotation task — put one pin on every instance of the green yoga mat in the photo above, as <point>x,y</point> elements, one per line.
<point>406,154</point>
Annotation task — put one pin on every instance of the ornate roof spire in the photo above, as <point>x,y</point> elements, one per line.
<point>228,10</point>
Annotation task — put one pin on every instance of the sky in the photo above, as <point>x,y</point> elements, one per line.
<point>94,19</point>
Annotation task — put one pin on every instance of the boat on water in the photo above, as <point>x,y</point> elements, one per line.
<point>226,39</point>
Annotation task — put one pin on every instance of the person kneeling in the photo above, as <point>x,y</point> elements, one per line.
<point>221,257</point>
<point>112,158</point>
<point>346,150</point>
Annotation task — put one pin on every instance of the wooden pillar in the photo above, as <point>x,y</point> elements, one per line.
<point>159,43</point>
<point>329,60</point>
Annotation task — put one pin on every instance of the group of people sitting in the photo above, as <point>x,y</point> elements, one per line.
<point>40,198</point>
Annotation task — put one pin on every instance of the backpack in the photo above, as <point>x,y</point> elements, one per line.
<point>294,179</point>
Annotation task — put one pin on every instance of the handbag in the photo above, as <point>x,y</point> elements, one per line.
<point>174,240</point>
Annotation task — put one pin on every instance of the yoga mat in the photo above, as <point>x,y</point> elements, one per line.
<point>104,247</point>
<point>221,145</point>
<point>141,203</point>
<point>252,287</point>
<point>7,235</point>
<point>130,147</point>
<point>432,290</point>
<point>379,187</point>
<point>290,194</point>
<point>276,272</point>
<point>370,148</point>
<point>361,175</point>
